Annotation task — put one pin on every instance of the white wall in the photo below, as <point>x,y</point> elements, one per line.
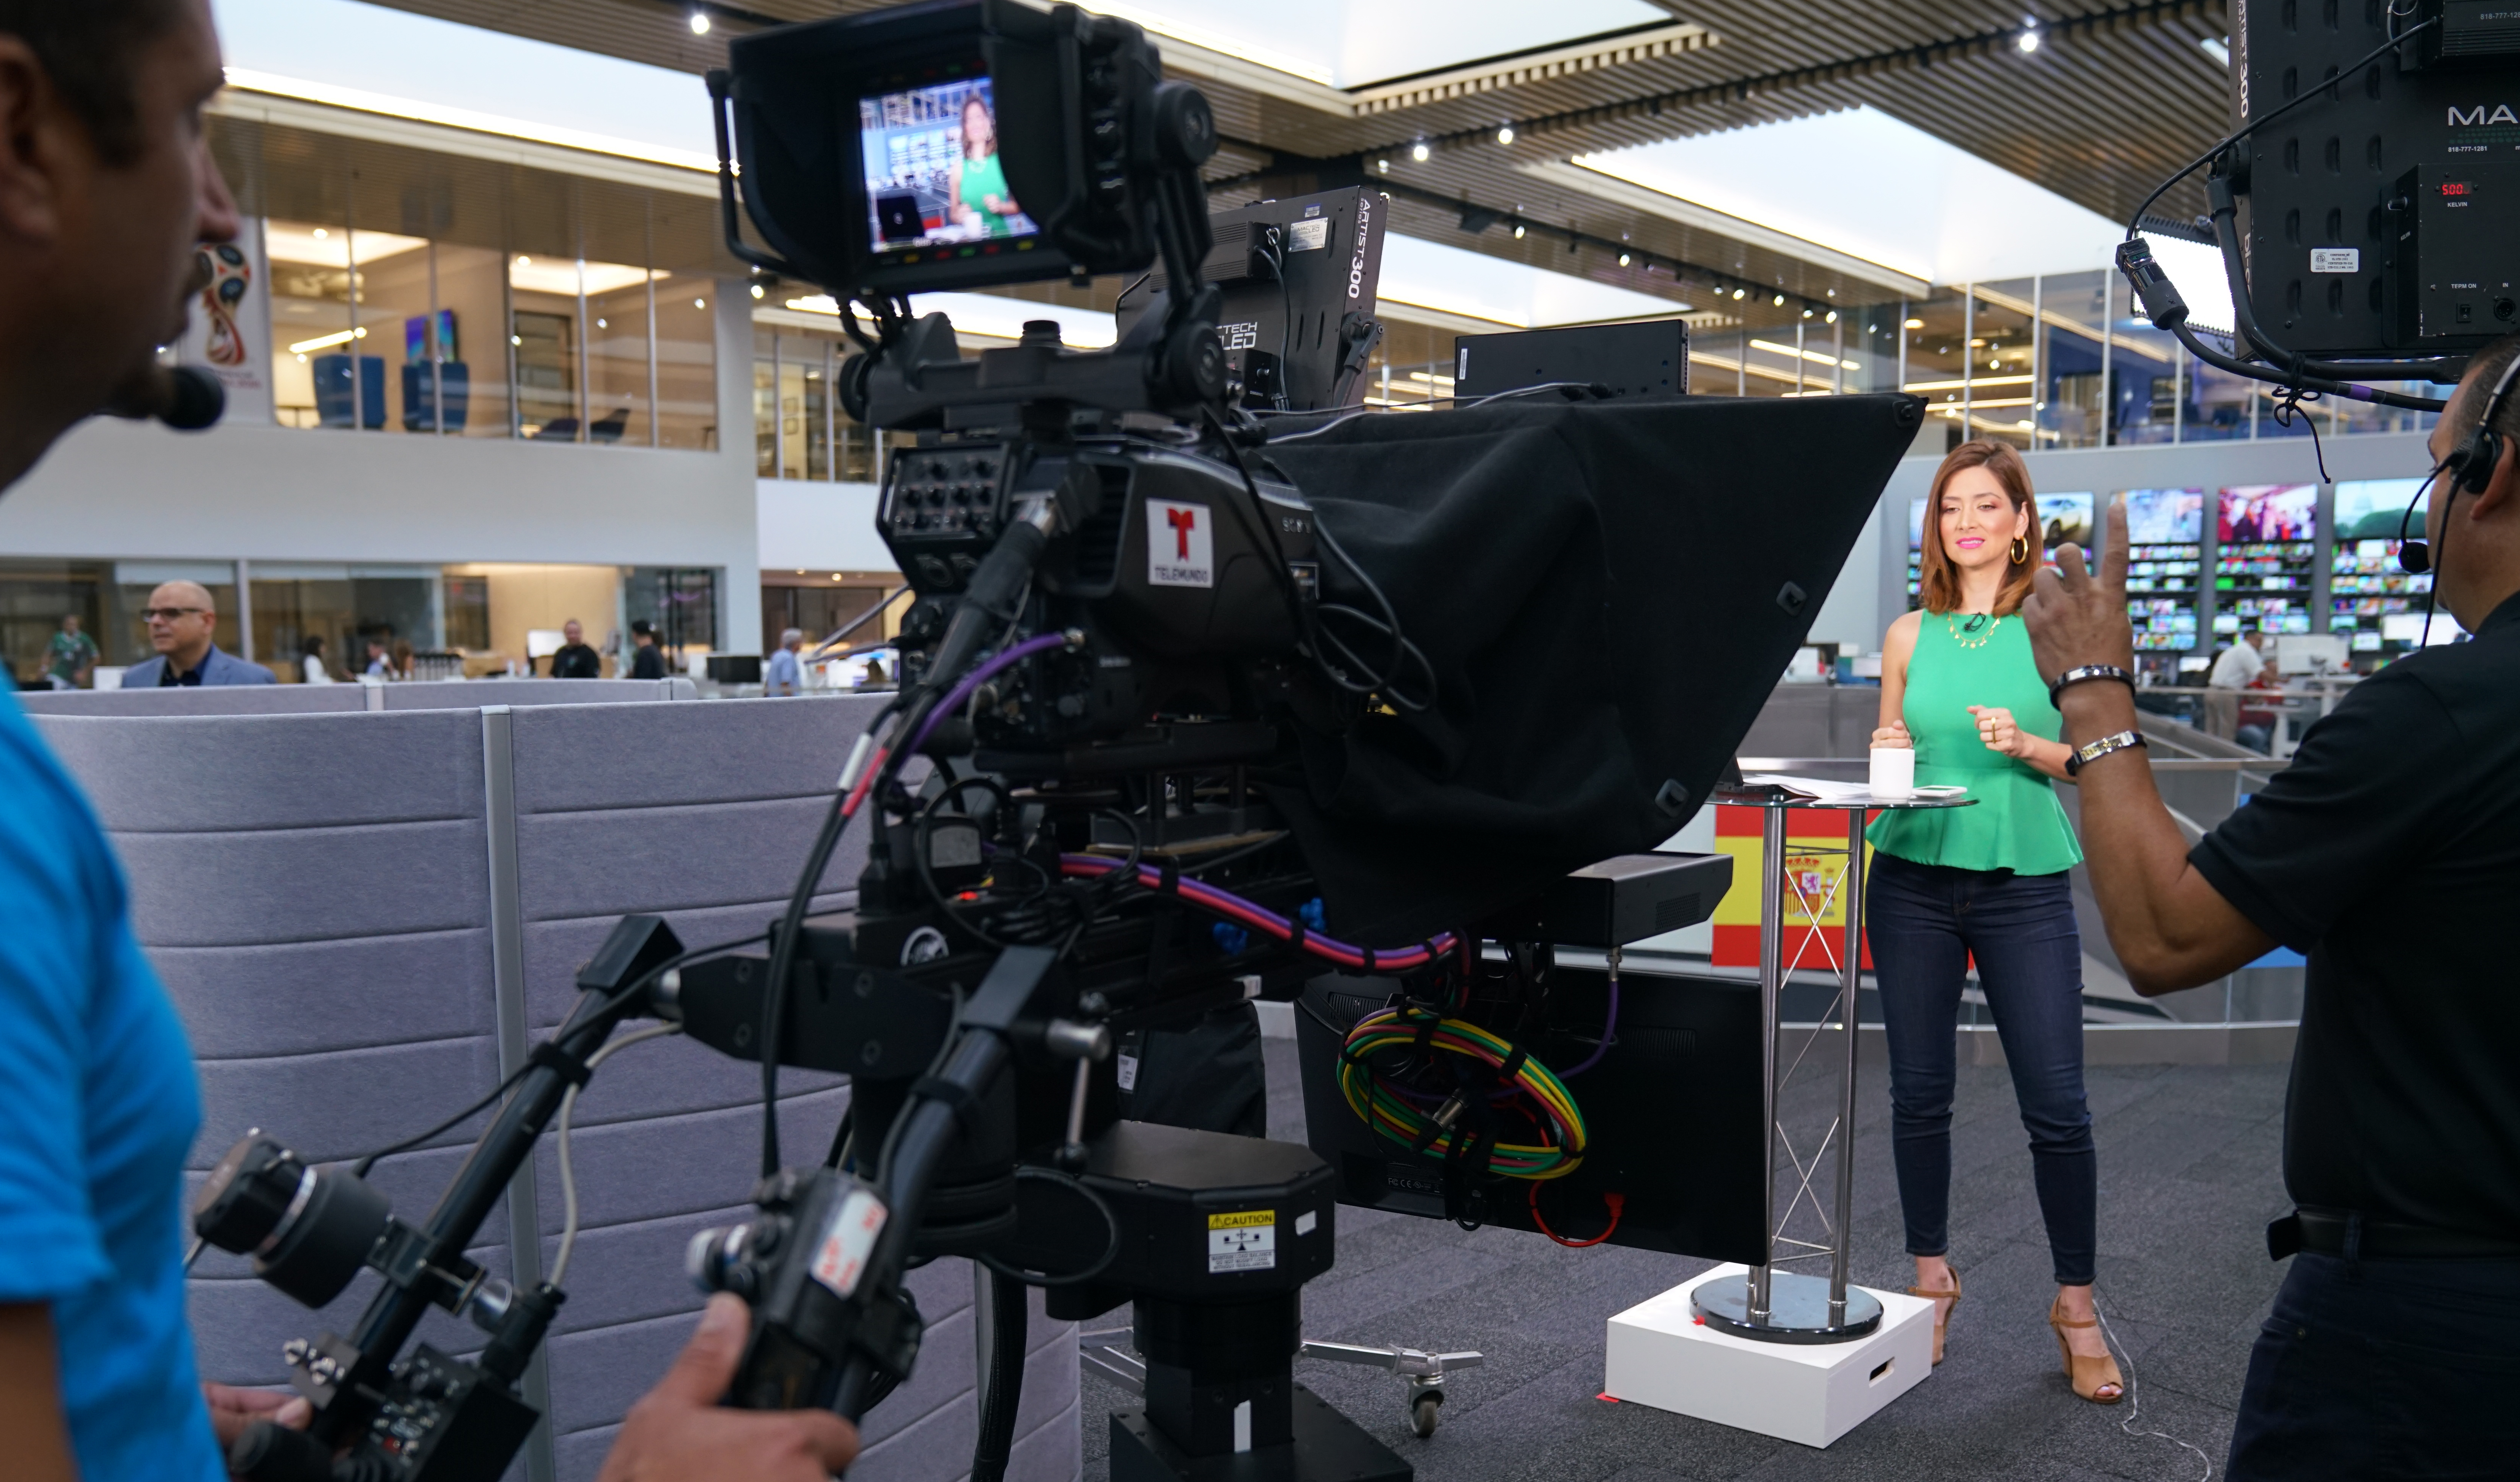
<point>809,526</point>
<point>125,490</point>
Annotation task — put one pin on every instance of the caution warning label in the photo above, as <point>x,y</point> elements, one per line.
<point>1243,1240</point>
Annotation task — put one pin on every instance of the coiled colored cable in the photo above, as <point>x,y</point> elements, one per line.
<point>1390,1113</point>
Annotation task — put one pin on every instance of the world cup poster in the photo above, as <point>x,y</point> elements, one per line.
<point>227,326</point>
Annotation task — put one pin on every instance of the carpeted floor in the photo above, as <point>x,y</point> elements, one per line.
<point>2188,1177</point>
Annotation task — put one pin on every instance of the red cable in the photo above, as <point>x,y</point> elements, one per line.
<point>1618,1203</point>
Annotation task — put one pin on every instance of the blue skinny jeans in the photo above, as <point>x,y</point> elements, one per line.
<point>1925,923</point>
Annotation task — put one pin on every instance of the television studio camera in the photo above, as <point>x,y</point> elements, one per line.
<point>1160,732</point>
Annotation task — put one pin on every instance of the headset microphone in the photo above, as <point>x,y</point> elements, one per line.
<point>185,398</point>
<point>2470,469</point>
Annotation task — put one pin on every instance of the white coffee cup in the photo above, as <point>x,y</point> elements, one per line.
<point>1894,772</point>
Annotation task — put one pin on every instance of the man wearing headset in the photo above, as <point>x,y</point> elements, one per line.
<point>107,188</point>
<point>2389,853</point>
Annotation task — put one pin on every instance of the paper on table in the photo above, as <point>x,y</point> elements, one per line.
<point>1813,787</point>
<point>1821,791</point>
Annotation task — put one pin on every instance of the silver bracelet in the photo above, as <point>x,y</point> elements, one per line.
<point>2092,751</point>
<point>2081,672</point>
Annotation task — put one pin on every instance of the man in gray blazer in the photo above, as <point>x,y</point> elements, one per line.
<point>181,619</point>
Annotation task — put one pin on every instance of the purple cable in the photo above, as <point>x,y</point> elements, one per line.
<point>955,697</point>
<point>1609,1028</point>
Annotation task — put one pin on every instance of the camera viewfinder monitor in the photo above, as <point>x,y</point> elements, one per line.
<point>936,188</point>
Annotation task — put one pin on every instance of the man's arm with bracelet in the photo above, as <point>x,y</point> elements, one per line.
<point>2169,927</point>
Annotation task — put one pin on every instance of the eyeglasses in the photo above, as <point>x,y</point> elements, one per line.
<point>169,615</point>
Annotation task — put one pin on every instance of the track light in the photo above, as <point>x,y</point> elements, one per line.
<point>1504,135</point>
<point>1518,230</point>
<point>1420,152</point>
<point>1623,259</point>
<point>2029,39</point>
<point>1780,300</point>
<point>1740,292</point>
<point>1830,317</point>
<point>700,23</point>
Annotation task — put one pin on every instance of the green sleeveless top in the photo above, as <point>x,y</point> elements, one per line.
<point>982,179</point>
<point>2018,823</point>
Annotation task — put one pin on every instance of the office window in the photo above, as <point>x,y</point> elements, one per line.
<point>1938,334</point>
<point>2002,359</point>
<point>345,606</point>
<point>2145,373</point>
<point>681,602</point>
<point>472,389</point>
<point>35,596</point>
<point>687,361</point>
<point>2071,406</point>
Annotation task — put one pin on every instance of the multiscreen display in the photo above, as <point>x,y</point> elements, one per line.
<point>933,174</point>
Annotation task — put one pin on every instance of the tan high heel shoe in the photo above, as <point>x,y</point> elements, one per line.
<point>1942,1314</point>
<point>2087,1373</point>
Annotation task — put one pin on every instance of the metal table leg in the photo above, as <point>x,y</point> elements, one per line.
<point>1771,1304</point>
<point>1851,976</point>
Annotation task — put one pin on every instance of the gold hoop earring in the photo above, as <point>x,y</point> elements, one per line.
<point>2020,549</point>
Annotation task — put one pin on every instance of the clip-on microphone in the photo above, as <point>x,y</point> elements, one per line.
<point>185,398</point>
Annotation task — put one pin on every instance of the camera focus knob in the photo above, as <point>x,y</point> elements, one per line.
<point>1184,124</point>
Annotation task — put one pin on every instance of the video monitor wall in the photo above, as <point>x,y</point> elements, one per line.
<point>2165,565</point>
<point>2068,519</point>
<point>2266,557</point>
<point>2366,586</point>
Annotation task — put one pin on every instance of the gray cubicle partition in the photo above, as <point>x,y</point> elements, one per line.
<point>330,700</point>
<point>366,918</point>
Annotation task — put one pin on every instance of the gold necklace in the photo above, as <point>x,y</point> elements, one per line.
<point>1954,629</point>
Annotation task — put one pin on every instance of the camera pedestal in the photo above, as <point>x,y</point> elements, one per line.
<point>1327,1447</point>
<point>1663,1355</point>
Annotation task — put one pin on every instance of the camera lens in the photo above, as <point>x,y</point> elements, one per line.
<point>248,1196</point>
<point>309,1229</point>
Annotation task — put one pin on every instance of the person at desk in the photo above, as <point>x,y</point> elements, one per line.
<point>181,619</point>
<point>573,659</point>
<point>647,661</point>
<point>1987,881</point>
<point>784,676</point>
<point>2388,854</point>
<point>69,661</point>
<point>2239,667</point>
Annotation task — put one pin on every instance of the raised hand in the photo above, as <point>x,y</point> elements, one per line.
<point>2077,618</point>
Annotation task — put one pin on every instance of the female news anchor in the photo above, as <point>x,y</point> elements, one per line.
<point>1987,881</point>
<point>980,197</point>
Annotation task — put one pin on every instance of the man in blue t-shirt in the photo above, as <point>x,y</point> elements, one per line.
<point>107,188</point>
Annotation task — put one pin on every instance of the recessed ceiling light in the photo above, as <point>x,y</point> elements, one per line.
<point>700,23</point>
<point>1504,135</point>
<point>1420,152</point>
